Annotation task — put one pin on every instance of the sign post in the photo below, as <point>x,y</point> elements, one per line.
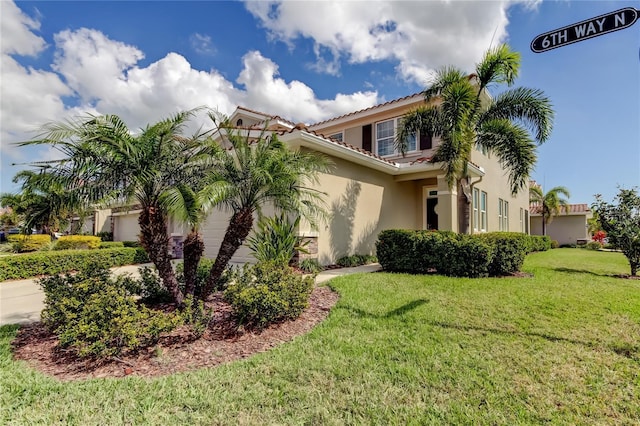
<point>583,30</point>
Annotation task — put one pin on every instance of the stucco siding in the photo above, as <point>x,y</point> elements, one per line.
<point>361,203</point>
<point>565,229</point>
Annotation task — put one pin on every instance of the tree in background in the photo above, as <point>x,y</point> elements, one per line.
<point>621,221</point>
<point>467,117</point>
<point>552,203</point>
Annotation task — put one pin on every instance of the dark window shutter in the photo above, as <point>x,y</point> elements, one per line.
<point>426,141</point>
<point>366,137</point>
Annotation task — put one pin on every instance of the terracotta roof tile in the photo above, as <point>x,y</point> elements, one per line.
<point>573,208</point>
<point>366,109</point>
<point>346,145</point>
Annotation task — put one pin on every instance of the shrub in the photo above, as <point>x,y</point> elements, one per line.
<point>56,262</point>
<point>131,244</point>
<point>555,244</point>
<point>196,316</point>
<point>94,314</point>
<point>202,273</point>
<point>311,266</point>
<point>538,243</point>
<point>111,244</point>
<point>599,236</point>
<point>27,243</point>
<point>267,292</point>
<point>275,240</point>
<point>105,236</point>
<point>393,248</point>
<point>509,251</point>
<point>356,260</point>
<point>594,245</point>
<point>77,242</point>
<point>467,257</point>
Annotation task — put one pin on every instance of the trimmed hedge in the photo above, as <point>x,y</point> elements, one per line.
<point>56,262</point>
<point>448,253</point>
<point>77,242</point>
<point>26,243</point>
<point>111,244</point>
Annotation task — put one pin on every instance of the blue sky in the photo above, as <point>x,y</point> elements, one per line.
<point>309,61</point>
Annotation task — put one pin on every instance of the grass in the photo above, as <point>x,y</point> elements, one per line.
<point>560,348</point>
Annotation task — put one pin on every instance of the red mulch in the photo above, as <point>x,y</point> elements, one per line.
<point>223,342</point>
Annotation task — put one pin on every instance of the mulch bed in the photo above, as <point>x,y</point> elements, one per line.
<point>223,342</point>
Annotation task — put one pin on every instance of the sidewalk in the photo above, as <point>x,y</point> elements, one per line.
<point>22,300</point>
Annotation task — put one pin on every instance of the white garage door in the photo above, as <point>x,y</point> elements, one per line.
<point>125,227</point>
<point>213,233</point>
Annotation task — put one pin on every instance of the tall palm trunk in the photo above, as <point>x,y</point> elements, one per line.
<point>193,249</point>
<point>238,230</point>
<point>154,239</point>
<point>464,206</point>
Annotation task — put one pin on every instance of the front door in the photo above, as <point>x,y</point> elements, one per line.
<point>432,216</point>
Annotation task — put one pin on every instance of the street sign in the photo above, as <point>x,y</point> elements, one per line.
<point>603,24</point>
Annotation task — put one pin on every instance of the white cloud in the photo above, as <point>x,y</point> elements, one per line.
<point>17,31</point>
<point>202,44</point>
<point>419,36</point>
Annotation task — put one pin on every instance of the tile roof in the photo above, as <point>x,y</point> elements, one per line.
<point>366,109</point>
<point>573,209</point>
<point>336,142</point>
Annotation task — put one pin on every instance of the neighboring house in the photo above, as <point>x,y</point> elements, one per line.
<point>569,227</point>
<point>372,187</point>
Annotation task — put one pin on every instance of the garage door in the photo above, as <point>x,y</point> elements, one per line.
<point>213,233</point>
<point>125,227</point>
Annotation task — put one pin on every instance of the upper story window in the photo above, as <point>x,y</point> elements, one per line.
<point>386,135</point>
<point>337,136</point>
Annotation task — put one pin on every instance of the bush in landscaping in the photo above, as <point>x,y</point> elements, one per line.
<point>275,239</point>
<point>202,273</point>
<point>105,236</point>
<point>131,244</point>
<point>509,251</point>
<point>27,243</point>
<point>538,243</point>
<point>448,253</point>
<point>95,315</point>
<point>56,262</point>
<point>267,292</point>
<point>311,266</point>
<point>356,260</point>
<point>555,244</point>
<point>594,245</point>
<point>77,242</point>
<point>394,248</point>
<point>111,244</point>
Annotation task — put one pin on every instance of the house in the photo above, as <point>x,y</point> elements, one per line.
<point>569,227</point>
<point>371,187</point>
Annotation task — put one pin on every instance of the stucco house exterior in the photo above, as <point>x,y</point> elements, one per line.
<point>569,227</point>
<point>371,187</point>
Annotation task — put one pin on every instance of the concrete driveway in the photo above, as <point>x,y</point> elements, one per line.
<point>21,301</point>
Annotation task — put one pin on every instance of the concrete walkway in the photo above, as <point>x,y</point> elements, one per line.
<point>22,300</point>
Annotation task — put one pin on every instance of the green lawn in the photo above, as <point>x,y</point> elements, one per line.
<point>561,348</point>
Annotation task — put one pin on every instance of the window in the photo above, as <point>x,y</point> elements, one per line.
<point>476,212</point>
<point>239,122</point>
<point>337,136</point>
<point>386,135</point>
<point>483,211</point>
<point>521,219</point>
<point>503,215</point>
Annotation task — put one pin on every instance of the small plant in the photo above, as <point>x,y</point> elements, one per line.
<point>555,244</point>
<point>196,316</point>
<point>267,292</point>
<point>96,315</point>
<point>275,240</point>
<point>599,236</point>
<point>594,245</point>
<point>356,260</point>
<point>311,266</point>
<point>105,236</point>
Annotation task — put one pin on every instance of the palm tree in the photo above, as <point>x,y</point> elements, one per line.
<point>105,162</point>
<point>552,203</point>
<point>44,203</point>
<point>256,171</point>
<point>467,117</point>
